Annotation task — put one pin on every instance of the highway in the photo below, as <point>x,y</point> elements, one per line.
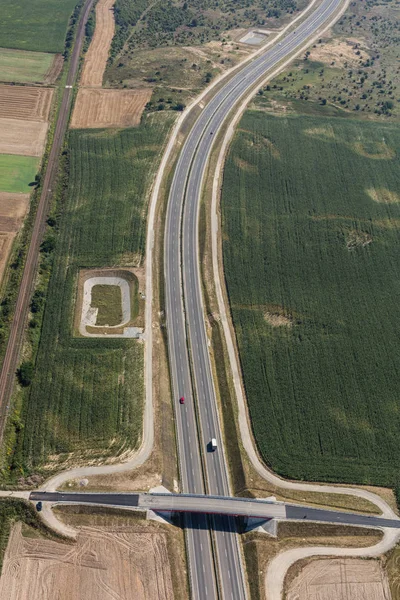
<point>217,505</point>
<point>186,327</point>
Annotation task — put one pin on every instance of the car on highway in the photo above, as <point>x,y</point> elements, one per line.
<point>212,446</point>
<point>182,400</point>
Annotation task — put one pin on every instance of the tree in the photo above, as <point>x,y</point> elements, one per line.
<point>25,373</point>
<point>48,244</point>
<point>179,106</point>
<point>37,301</point>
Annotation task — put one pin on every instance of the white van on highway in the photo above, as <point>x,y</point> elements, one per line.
<point>213,444</point>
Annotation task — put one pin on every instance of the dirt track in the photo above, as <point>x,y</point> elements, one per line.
<point>97,55</point>
<point>105,564</point>
<point>340,579</point>
<point>109,108</point>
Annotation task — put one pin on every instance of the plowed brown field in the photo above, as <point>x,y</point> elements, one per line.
<point>13,208</point>
<point>109,108</point>
<point>340,579</point>
<point>97,55</point>
<point>24,102</point>
<point>22,137</point>
<point>104,564</point>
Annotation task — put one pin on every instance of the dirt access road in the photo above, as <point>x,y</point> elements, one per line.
<point>10,363</point>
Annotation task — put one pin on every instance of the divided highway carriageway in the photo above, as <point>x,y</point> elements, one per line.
<point>202,471</point>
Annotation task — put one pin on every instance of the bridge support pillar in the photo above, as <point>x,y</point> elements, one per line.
<point>161,516</point>
<point>268,526</point>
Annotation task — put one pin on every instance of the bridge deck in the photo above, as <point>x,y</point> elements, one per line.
<point>246,507</point>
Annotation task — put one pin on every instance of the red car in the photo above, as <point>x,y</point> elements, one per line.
<point>182,400</point>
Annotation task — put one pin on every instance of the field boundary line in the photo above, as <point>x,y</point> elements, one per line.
<point>243,416</point>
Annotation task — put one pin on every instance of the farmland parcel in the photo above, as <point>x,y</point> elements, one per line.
<point>38,25</point>
<point>28,67</point>
<point>87,394</point>
<point>311,218</point>
<point>16,172</point>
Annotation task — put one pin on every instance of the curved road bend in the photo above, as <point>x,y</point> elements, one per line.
<point>181,269</point>
<point>7,376</point>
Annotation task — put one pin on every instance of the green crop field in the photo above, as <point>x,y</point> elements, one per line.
<point>16,172</point>
<point>24,67</point>
<point>38,25</point>
<point>311,230</point>
<point>87,394</point>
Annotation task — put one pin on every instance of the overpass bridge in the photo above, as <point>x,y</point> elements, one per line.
<point>221,505</point>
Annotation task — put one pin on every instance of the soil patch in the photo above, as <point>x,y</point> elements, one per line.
<point>121,562</point>
<point>244,165</point>
<point>344,578</point>
<point>357,239</point>
<point>375,150</point>
<point>339,52</point>
<point>271,147</point>
<point>97,55</point>
<point>96,108</point>
<point>278,320</point>
<point>25,102</point>
<point>321,132</point>
<point>383,195</point>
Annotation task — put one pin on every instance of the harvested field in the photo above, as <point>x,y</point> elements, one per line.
<point>13,208</point>
<point>120,562</point>
<point>109,108</point>
<point>26,138</point>
<point>340,579</point>
<point>24,102</point>
<point>29,67</point>
<point>97,55</point>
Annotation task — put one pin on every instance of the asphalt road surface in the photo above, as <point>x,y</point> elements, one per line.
<point>185,321</point>
<point>219,505</point>
<point>10,363</point>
